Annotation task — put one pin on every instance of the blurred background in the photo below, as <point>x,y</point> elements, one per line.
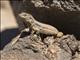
<point>9,27</point>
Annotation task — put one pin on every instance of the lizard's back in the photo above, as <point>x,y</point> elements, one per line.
<point>45,28</point>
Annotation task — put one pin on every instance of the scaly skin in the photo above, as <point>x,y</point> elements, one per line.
<point>39,27</point>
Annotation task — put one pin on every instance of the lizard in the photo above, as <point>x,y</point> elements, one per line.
<point>35,26</point>
<point>39,27</point>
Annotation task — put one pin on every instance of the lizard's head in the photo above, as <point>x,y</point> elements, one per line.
<point>26,16</point>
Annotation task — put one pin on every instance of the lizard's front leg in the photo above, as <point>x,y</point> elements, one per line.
<point>14,40</point>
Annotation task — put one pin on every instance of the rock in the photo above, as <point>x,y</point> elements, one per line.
<point>63,5</point>
<point>76,56</point>
<point>32,47</point>
<point>54,52</point>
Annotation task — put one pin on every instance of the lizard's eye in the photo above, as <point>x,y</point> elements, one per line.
<point>24,15</point>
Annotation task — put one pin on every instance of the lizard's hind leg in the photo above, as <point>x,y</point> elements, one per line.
<point>32,32</point>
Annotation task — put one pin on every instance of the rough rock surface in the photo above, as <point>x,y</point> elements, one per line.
<point>64,5</point>
<point>33,47</point>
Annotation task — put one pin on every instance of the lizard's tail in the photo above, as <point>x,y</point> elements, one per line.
<point>60,34</point>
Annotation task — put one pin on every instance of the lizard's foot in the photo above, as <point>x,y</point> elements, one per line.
<point>60,34</point>
<point>25,30</point>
